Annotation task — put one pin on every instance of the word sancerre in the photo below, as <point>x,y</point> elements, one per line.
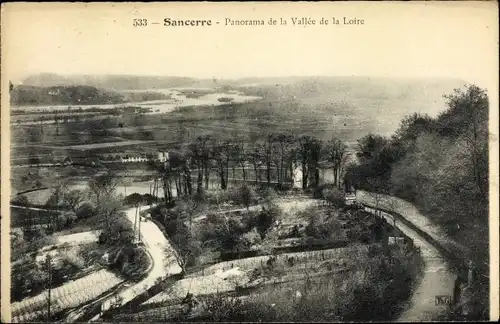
<point>179,23</point>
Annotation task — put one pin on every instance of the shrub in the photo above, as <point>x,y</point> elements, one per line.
<point>220,197</point>
<point>200,196</point>
<point>218,308</point>
<point>86,210</point>
<point>321,226</point>
<point>318,191</point>
<point>135,263</point>
<point>266,218</point>
<point>334,197</point>
<point>249,239</point>
<point>244,195</point>
<point>65,219</point>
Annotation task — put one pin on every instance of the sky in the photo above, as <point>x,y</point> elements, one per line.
<point>455,40</point>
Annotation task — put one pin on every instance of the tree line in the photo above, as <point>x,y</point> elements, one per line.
<point>273,161</point>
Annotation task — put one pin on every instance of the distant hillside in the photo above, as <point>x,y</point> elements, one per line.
<point>300,85</point>
<point>75,95</point>
<point>116,82</point>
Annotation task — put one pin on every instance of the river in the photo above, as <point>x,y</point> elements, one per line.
<point>178,99</point>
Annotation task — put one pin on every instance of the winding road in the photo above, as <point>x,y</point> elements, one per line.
<point>438,278</point>
<point>164,265</point>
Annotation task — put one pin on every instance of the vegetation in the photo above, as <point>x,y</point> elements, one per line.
<point>30,277</point>
<point>75,95</point>
<point>441,165</point>
<point>374,284</point>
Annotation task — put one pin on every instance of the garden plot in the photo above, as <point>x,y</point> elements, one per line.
<point>262,270</point>
<point>65,297</point>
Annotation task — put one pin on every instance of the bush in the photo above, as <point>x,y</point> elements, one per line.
<point>334,197</point>
<point>86,210</point>
<point>268,194</point>
<point>318,191</point>
<point>218,308</point>
<point>266,218</point>
<point>135,262</point>
<point>221,197</point>
<point>200,196</point>
<point>249,239</point>
<point>244,195</point>
<point>321,225</point>
<point>65,219</point>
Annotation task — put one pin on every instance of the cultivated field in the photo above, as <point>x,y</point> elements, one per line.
<point>65,297</point>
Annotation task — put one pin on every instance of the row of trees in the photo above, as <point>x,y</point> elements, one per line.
<point>273,161</point>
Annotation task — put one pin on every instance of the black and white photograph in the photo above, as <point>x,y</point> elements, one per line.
<point>249,162</point>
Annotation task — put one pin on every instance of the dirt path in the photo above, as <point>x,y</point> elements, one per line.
<point>164,262</point>
<point>438,277</point>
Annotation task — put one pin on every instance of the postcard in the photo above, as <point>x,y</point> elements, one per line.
<point>275,162</point>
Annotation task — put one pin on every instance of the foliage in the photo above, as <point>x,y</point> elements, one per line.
<point>321,224</point>
<point>441,165</point>
<point>244,195</point>
<point>132,261</point>
<point>334,197</point>
<point>266,218</point>
<point>219,308</point>
<point>66,95</point>
<point>29,278</point>
<point>374,284</point>
<point>86,210</point>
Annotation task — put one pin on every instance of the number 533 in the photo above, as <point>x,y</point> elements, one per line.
<point>140,22</point>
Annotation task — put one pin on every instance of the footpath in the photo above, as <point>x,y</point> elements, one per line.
<point>438,275</point>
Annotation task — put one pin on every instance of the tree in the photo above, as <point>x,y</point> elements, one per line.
<point>335,152</point>
<point>370,145</point>
<point>315,148</point>
<point>472,106</point>
<point>135,200</point>
<point>102,186</point>
<point>74,199</point>
<point>412,126</point>
<point>284,145</point>
<point>303,157</point>
<point>240,156</point>
<point>220,154</point>
<point>112,221</point>
<point>255,158</point>
<point>267,156</point>
<point>245,195</point>
<point>200,157</point>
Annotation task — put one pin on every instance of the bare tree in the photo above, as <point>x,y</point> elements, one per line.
<point>255,158</point>
<point>220,154</point>
<point>103,186</point>
<point>199,155</point>
<point>285,145</point>
<point>74,199</point>
<point>267,156</point>
<point>335,152</point>
<point>303,153</point>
